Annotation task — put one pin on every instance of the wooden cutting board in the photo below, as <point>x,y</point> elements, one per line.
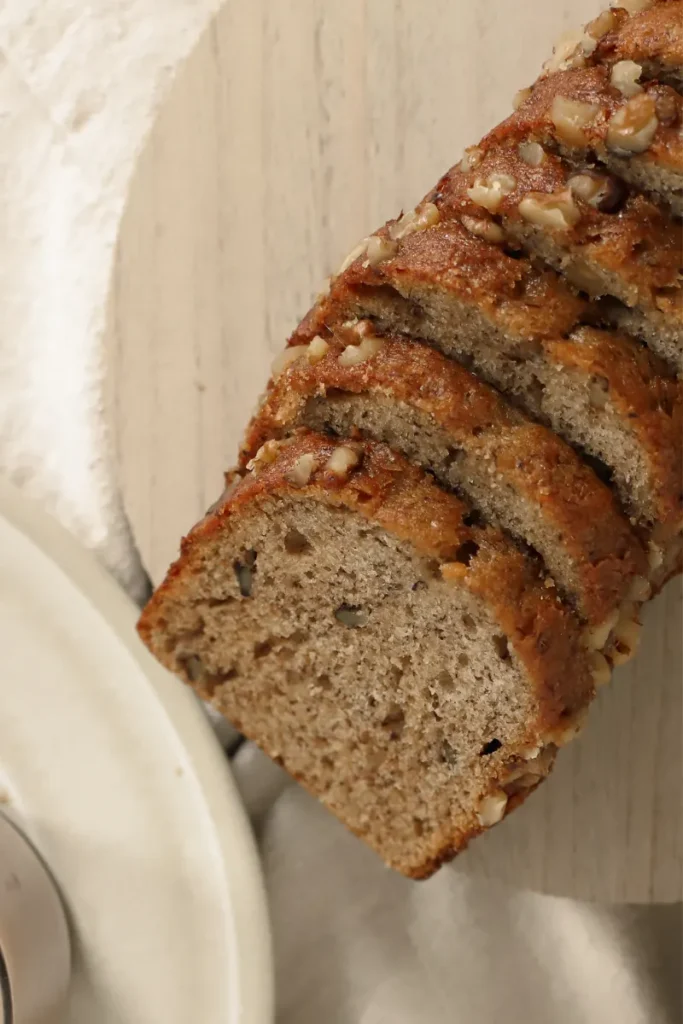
<point>293,130</point>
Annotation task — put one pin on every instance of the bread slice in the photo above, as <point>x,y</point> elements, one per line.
<point>632,127</point>
<point>409,669</point>
<point>604,239</point>
<point>515,325</point>
<point>650,35</point>
<point>439,415</point>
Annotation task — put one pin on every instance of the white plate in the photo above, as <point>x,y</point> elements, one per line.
<point>109,766</point>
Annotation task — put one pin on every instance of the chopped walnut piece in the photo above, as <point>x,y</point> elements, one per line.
<point>600,669</point>
<point>601,191</point>
<point>624,77</point>
<point>571,117</point>
<point>355,254</point>
<point>380,249</point>
<point>471,158</point>
<point>285,359</point>
<point>490,193</point>
<point>419,219</point>
<point>353,355</point>
<point>557,212</point>
<point>601,25</point>
<point>520,97</point>
<point>626,640</point>
<point>531,153</point>
<point>492,808</point>
<point>567,53</point>
<point>597,637</point>
<point>633,127</point>
<point>317,350</point>
<point>266,454</point>
<point>482,228</point>
<point>342,460</point>
<point>301,471</point>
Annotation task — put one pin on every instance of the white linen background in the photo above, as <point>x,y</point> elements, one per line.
<point>354,943</point>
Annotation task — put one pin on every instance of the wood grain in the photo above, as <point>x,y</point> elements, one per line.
<point>293,130</point>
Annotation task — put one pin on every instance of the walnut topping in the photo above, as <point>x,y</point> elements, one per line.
<point>419,219</point>
<point>266,454</point>
<point>490,193</point>
<point>640,589</point>
<point>521,97</point>
<point>353,355</point>
<point>471,158</point>
<point>600,669</point>
<point>567,53</point>
<point>492,808</point>
<point>596,638</point>
<point>355,254</point>
<point>571,117</point>
<point>601,25</point>
<point>600,191</point>
<point>342,460</point>
<point>557,212</point>
<point>301,471</point>
<point>624,77</point>
<point>633,127</point>
<point>482,228</point>
<point>317,350</point>
<point>626,640</point>
<point>531,153</point>
<point>564,734</point>
<point>380,249</point>
<point>286,358</point>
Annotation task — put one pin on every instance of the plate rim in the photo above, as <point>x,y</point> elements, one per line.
<point>246,886</point>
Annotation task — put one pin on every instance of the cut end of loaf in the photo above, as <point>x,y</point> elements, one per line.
<point>402,694</point>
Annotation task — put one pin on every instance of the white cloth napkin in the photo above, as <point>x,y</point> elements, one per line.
<point>354,943</point>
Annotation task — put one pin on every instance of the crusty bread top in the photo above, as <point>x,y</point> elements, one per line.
<point>636,242</point>
<point>594,86</point>
<point>652,38</point>
<point>390,492</point>
<point>530,459</point>
<point>528,301</point>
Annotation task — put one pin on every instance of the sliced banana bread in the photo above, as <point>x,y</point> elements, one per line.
<point>649,34</point>
<point>411,670</point>
<point>632,127</point>
<point>519,474</point>
<point>515,325</point>
<point>604,238</point>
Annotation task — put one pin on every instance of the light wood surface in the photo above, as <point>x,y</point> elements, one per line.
<point>294,129</point>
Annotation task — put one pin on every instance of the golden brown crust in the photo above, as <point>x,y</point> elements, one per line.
<point>510,292</point>
<point>529,458</point>
<point>593,86</point>
<point>637,243</point>
<point>652,38</point>
<point>397,496</point>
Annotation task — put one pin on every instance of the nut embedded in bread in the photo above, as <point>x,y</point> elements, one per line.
<point>632,126</point>
<point>404,666</point>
